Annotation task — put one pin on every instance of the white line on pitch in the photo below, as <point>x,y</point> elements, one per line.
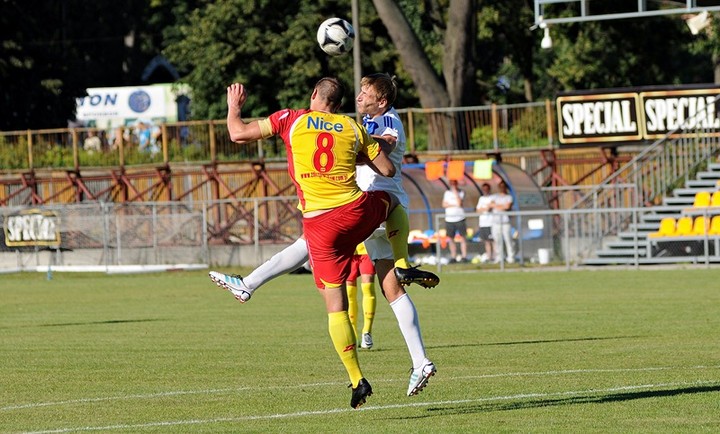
<point>239,389</point>
<point>374,408</point>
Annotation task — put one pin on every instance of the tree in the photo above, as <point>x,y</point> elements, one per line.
<point>54,50</point>
<point>456,86</point>
<point>270,47</point>
<point>624,53</point>
<point>430,88</point>
<point>257,45</point>
<point>445,53</point>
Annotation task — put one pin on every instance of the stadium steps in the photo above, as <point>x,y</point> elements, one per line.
<point>621,245</point>
<point>643,230</point>
<point>709,175</point>
<point>702,184</point>
<point>685,201</point>
<point>687,192</point>
<point>624,249</point>
<point>614,252</point>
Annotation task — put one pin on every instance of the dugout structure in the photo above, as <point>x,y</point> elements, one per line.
<point>532,232</point>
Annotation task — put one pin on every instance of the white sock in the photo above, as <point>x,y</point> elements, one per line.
<point>287,260</point>
<point>407,318</point>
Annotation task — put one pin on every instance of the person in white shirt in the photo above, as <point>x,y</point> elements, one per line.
<point>485,226</point>
<point>501,227</point>
<point>455,220</point>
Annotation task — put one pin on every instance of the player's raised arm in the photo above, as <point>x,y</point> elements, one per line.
<point>239,130</point>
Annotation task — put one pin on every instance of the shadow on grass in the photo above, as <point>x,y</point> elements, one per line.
<point>580,399</point>
<point>110,321</point>
<point>538,341</point>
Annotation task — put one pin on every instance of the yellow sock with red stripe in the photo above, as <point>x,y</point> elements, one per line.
<point>369,304</point>
<point>343,338</point>
<point>353,305</point>
<point>398,229</point>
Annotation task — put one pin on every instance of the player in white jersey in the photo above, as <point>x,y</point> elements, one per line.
<point>385,124</point>
<point>377,94</point>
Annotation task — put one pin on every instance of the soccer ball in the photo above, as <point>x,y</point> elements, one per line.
<point>335,36</point>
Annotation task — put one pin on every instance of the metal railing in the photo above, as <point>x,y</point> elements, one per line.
<point>572,234</point>
<point>155,233</point>
<point>480,128</point>
<point>152,233</point>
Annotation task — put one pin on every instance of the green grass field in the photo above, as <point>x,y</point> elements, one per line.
<point>580,351</point>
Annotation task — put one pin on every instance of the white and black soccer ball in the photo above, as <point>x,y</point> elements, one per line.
<point>335,36</point>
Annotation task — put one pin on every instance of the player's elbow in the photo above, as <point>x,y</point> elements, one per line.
<point>385,169</point>
<point>238,138</point>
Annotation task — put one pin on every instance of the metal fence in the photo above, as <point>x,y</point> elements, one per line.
<point>156,233</point>
<point>480,128</point>
<point>568,238</point>
<point>105,234</point>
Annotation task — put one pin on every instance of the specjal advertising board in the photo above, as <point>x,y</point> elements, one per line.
<point>31,228</point>
<point>631,115</point>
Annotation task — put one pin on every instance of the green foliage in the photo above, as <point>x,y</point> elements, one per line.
<point>13,155</point>
<point>587,55</point>
<point>528,131</point>
<point>481,138</point>
<point>427,21</point>
<point>48,155</point>
<point>189,153</point>
<point>55,52</point>
<point>51,53</point>
<point>271,50</point>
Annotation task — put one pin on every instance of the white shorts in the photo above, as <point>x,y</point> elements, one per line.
<point>378,246</point>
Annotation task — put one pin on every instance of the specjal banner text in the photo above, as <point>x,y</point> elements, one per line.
<point>31,228</point>
<point>626,115</point>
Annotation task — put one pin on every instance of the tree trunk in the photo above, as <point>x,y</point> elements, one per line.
<point>458,62</point>
<point>459,66</point>
<point>430,88</point>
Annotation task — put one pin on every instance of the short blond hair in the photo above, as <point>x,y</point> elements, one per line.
<point>384,85</point>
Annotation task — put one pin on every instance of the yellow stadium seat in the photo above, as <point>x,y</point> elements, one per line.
<point>714,226</point>
<point>684,226</point>
<point>700,226</point>
<point>715,199</point>
<point>702,199</point>
<point>666,229</point>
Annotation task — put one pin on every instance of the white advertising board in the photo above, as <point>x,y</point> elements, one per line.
<point>105,107</point>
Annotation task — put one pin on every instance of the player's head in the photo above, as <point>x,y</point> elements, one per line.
<point>377,94</point>
<point>384,86</point>
<point>327,95</point>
